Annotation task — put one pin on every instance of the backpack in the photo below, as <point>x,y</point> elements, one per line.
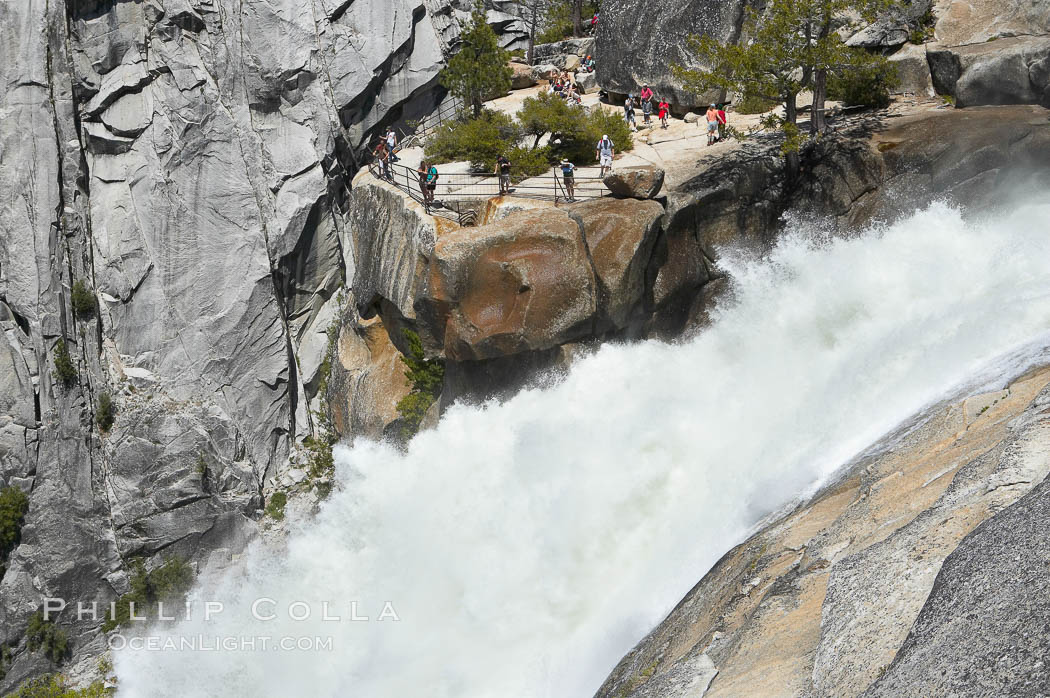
<point>432,174</point>
<point>566,169</point>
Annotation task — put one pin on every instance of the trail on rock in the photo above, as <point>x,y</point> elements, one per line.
<point>525,546</point>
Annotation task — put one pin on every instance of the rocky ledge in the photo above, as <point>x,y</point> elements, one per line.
<point>858,591</point>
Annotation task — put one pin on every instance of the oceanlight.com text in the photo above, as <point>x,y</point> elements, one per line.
<point>219,643</point>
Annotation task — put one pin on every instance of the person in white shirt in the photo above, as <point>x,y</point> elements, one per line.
<point>604,152</point>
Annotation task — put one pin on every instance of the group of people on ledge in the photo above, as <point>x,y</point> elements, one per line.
<point>715,118</point>
<point>563,86</point>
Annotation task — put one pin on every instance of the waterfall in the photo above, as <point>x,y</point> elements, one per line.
<point>525,546</point>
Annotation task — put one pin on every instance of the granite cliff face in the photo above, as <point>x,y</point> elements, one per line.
<point>188,163</point>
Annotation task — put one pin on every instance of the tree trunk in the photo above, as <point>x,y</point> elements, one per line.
<point>817,122</point>
<point>793,163</point>
<point>577,18</point>
<point>476,105</point>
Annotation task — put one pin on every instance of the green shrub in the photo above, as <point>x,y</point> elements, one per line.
<point>83,299</point>
<point>579,144</point>
<point>65,372</point>
<point>106,412</point>
<point>866,86</point>
<point>13,507</point>
<point>55,686</point>
<point>924,31</point>
<point>275,507</point>
<point>479,141</point>
<point>47,637</point>
<point>548,113</point>
<point>425,376</point>
<point>526,162</point>
<point>749,104</point>
<point>479,70</point>
<point>167,584</point>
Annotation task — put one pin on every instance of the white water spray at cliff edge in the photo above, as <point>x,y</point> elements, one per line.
<point>526,546</point>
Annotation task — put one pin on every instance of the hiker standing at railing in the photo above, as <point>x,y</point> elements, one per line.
<point>432,182</point>
<point>568,177</point>
<point>421,176</point>
<point>383,155</point>
<point>391,144</point>
<point>503,170</point>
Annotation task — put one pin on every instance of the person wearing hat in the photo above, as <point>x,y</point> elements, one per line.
<point>568,177</point>
<point>604,152</point>
<point>712,124</point>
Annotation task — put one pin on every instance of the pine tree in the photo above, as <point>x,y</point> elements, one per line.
<point>792,47</point>
<point>479,71</point>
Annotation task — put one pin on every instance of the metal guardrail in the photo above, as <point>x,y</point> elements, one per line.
<point>428,124</point>
<point>456,194</point>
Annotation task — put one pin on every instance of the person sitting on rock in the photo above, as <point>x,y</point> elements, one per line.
<point>712,124</point>
<point>588,64</point>
<point>604,153</point>
<point>568,176</point>
<point>573,96</point>
<point>503,170</point>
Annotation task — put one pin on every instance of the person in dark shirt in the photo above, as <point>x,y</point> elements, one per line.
<point>503,170</point>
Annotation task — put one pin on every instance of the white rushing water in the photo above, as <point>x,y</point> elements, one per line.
<point>526,546</point>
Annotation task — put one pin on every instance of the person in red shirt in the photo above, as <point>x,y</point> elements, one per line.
<point>646,94</point>
<point>722,121</point>
<point>665,110</point>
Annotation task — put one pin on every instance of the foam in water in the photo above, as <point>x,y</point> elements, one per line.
<point>526,546</point>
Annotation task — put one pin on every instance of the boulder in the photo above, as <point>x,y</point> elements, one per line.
<point>639,40</point>
<point>390,237</point>
<point>893,27</point>
<point>523,284</point>
<point>545,71</point>
<point>642,182</point>
<point>587,82</point>
<point>691,117</point>
<point>1004,71</point>
<point>914,70</point>
<point>620,235</point>
<point>977,21</point>
<point>367,379</point>
<point>523,76</point>
<point>575,47</point>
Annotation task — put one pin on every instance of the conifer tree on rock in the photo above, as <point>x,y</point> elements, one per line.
<point>792,46</point>
<point>480,69</point>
